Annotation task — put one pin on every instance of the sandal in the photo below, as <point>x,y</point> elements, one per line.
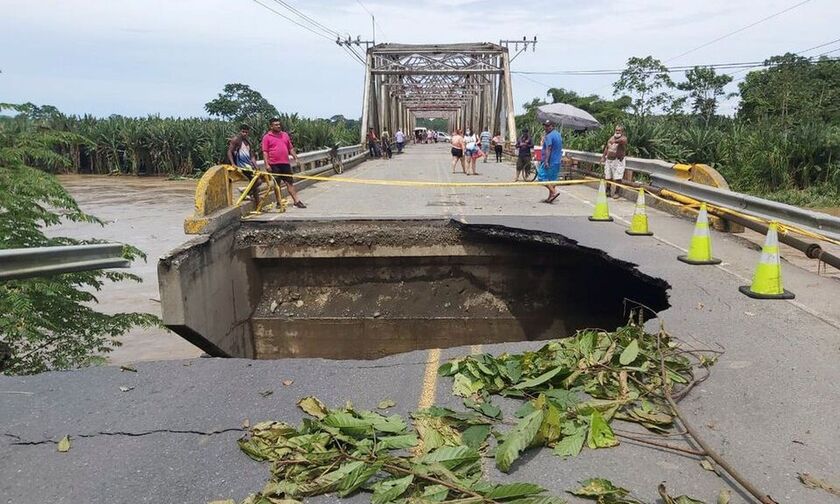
<point>551,199</point>
<point>300,204</point>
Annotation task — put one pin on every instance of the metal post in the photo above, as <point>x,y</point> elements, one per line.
<point>367,99</point>
<point>509,112</point>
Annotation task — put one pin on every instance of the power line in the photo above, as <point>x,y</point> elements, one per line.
<point>323,28</point>
<point>374,18</point>
<point>818,46</point>
<point>309,19</point>
<point>739,30</point>
<point>292,20</point>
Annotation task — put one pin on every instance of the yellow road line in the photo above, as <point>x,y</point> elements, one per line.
<point>475,349</point>
<point>429,391</point>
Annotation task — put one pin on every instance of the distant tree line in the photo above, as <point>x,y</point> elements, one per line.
<point>156,145</point>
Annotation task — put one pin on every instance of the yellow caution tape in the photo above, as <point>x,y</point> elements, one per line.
<point>783,228</point>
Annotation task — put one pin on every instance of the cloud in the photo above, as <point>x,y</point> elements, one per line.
<point>171,57</point>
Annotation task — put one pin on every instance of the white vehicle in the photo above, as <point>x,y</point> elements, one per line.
<point>443,137</point>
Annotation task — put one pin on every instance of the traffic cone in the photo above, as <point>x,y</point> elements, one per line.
<point>602,210</point>
<point>639,223</point>
<point>767,280</point>
<point>700,250</point>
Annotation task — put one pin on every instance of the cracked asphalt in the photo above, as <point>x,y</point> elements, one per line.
<point>770,405</point>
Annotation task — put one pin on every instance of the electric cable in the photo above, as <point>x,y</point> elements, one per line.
<point>739,30</point>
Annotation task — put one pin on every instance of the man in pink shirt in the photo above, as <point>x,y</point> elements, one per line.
<point>276,147</point>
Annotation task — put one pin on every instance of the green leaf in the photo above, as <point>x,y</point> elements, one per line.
<point>600,434</point>
<point>390,489</point>
<point>511,490</point>
<point>386,403</point>
<point>397,442</point>
<point>448,368</point>
<point>313,406</point>
<point>517,440</point>
<point>435,493</point>
<point>451,457</point>
<point>596,487</point>
<point>724,497</point>
<point>463,386</point>
<point>64,444</point>
<point>475,435</point>
<point>630,353</point>
<point>539,380</point>
<point>356,478</point>
<point>538,499</point>
<point>571,444</point>
<point>564,399</point>
<point>434,433</point>
<point>348,423</point>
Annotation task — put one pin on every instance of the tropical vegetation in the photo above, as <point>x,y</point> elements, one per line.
<point>156,145</point>
<point>783,142</point>
<point>50,322</point>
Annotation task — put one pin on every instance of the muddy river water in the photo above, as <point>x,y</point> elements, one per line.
<point>149,214</point>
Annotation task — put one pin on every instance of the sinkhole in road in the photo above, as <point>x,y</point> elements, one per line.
<point>367,289</point>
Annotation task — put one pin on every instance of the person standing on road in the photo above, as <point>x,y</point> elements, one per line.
<point>372,141</point>
<point>241,155</point>
<point>457,142</point>
<point>471,151</point>
<point>613,158</point>
<point>498,146</point>
<point>524,144</point>
<point>386,145</point>
<point>552,153</point>
<point>485,137</point>
<point>399,137</point>
<point>276,147</point>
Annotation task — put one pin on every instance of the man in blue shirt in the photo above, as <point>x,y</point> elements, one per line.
<point>552,153</point>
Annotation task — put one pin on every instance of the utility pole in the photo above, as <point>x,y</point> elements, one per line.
<point>524,43</point>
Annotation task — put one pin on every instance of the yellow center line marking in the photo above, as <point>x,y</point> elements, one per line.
<point>475,349</point>
<point>429,390</point>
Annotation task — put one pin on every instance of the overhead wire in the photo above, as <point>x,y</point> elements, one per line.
<point>739,30</point>
<point>319,29</point>
<point>374,18</point>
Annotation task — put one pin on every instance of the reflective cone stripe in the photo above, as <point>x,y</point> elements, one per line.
<point>767,280</point>
<point>701,242</point>
<point>602,210</point>
<point>700,249</point>
<point>639,222</point>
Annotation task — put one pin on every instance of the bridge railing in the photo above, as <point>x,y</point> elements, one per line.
<point>215,201</point>
<point>703,183</point>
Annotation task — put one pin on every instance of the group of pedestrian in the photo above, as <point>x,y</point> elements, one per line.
<point>384,147</point>
<point>276,148</point>
<point>465,150</point>
<point>428,136</point>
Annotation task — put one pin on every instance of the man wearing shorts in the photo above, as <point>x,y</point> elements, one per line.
<point>552,153</point>
<point>457,142</point>
<point>485,137</point>
<point>241,155</point>
<point>613,159</point>
<point>276,147</point>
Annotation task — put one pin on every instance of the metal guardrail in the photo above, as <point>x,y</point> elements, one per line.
<point>16,264</point>
<point>662,175</point>
<point>312,160</point>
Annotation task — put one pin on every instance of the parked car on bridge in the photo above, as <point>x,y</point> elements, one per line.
<point>443,137</point>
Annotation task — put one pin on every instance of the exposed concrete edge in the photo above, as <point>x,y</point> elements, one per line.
<point>557,239</point>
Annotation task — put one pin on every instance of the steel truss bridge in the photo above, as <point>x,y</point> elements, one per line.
<point>468,84</point>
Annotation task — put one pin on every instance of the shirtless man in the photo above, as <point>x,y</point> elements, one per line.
<point>458,150</point>
<point>613,158</point>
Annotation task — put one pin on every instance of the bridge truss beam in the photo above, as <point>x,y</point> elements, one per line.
<point>468,84</point>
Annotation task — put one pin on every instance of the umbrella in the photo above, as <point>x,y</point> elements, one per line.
<point>568,116</point>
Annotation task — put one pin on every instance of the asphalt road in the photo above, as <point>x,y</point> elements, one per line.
<point>769,405</point>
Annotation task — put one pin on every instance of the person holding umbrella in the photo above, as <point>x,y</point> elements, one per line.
<point>552,153</point>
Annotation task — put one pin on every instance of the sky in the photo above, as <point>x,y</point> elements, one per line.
<point>140,57</point>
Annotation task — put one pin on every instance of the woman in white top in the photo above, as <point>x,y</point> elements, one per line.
<point>471,150</point>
